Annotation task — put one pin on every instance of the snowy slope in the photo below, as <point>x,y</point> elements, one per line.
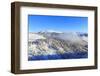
<point>50,43</point>
<point>34,36</point>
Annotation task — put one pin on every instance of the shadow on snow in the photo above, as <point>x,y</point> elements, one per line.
<point>76,55</point>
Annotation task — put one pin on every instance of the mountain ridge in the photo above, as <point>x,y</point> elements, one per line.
<point>52,43</point>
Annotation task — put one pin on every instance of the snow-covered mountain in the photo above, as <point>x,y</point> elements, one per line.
<point>52,43</point>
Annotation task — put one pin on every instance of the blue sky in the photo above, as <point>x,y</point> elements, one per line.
<point>38,23</point>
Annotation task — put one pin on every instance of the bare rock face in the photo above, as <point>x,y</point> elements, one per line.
<point>51,43</point>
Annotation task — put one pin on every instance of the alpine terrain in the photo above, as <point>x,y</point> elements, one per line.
<point>50,45</point>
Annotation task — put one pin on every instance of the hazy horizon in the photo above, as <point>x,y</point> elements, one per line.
<point>59,32</point>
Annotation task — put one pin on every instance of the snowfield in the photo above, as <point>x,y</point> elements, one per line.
<point>34,36</point>
<point>56,45</point>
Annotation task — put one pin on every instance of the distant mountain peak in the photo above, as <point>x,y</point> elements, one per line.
<point>50,31</point>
